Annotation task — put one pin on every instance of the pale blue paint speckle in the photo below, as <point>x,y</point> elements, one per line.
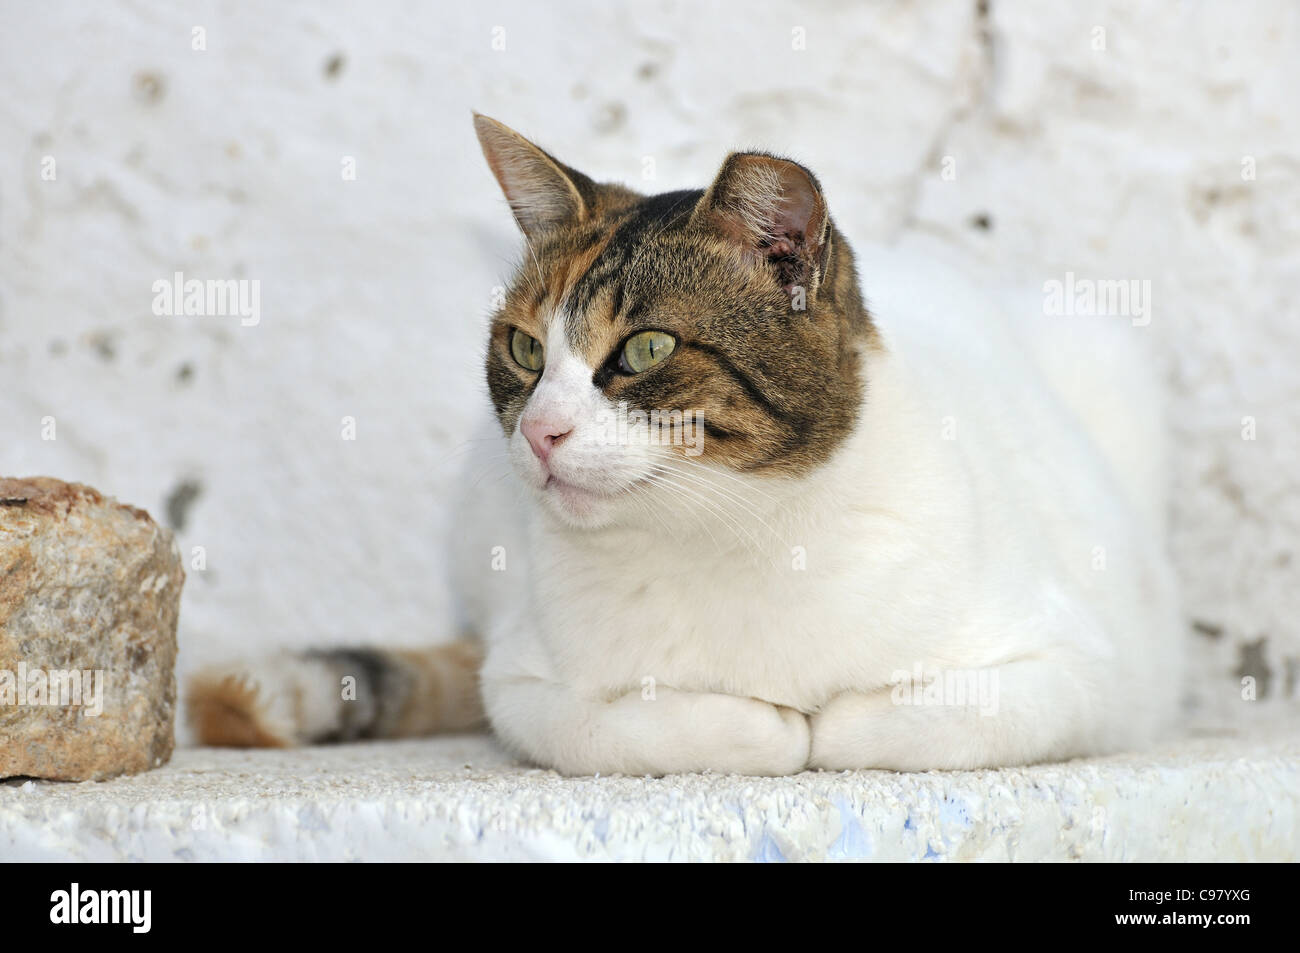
<point>853,843</point>
<point>955,812</point>
<point>768,852</point>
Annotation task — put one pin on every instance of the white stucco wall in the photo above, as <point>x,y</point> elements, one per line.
<point>1119,162</point>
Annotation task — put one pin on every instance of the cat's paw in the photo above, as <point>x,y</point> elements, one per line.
<point>850,732</point>
<point>746,736</point>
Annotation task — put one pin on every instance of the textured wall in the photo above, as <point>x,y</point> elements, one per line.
<point>1026,140</point>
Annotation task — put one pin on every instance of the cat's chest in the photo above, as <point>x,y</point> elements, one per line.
<point>787,629</point>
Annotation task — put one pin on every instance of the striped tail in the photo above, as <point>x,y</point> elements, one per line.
<point>338,695</point>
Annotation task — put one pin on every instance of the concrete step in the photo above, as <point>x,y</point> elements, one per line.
<point>462,798</point>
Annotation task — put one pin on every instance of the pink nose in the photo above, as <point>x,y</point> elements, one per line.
<point>542,435</point>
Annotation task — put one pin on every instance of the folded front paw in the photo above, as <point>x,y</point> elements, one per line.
<point>748,736</point>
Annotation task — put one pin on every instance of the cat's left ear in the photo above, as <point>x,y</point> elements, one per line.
<point>543,193</point>
<point>775,210</point>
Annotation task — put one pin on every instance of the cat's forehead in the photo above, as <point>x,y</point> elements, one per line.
<point>628,246</point>
<point>631,267</point>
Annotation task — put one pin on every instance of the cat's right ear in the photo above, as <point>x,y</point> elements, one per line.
<point>543,193</point>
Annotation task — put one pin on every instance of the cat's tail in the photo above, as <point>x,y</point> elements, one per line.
<point>298,698</point>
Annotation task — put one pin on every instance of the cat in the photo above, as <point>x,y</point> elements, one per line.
<point>753,525</point>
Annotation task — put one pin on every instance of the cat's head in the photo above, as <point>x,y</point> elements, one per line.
<point>648,342</point>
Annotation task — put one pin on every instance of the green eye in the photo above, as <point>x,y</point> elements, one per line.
<point>643,351</point>
<point>526,350</point>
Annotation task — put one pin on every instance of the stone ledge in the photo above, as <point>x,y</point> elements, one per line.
<point>461,798</point>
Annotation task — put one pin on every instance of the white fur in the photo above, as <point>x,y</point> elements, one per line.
<point>297,696</point>
<point>758,625</point>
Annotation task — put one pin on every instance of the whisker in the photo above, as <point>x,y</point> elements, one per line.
<point>712,506</point>
<point>728,476</point>
<point>699,480</point>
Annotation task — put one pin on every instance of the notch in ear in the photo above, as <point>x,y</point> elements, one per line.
<point>543,193</point>
<point>775,210</point>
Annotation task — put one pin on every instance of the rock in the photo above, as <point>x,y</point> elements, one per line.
<point>89,598</point>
